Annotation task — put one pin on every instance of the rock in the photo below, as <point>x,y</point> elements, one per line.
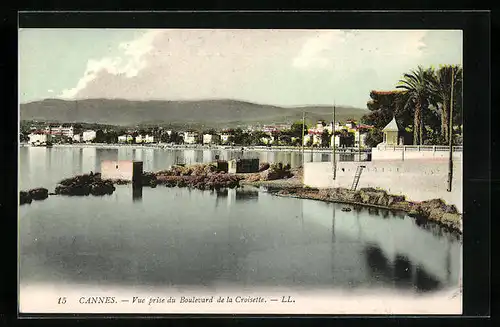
<point>148,179</point>
<point>84,185</point>
<point>24,197</point>
<point>263,166</point>
<point>39,193</point>
<point>353,196</point>
<point>253,178</point>
<point>392,199</point>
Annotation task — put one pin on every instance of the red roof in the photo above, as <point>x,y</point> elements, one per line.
<point>387,92</point>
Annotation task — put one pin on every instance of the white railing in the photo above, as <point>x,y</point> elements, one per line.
<point>429,148</point>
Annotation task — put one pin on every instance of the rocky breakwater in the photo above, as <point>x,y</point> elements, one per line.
<point>36,194</point>
<point>271,172</point>
<point>201,176</point>
<point>87,184</point>
<point>435,210</point>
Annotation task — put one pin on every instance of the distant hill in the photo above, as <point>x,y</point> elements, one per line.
<point>210,113</point>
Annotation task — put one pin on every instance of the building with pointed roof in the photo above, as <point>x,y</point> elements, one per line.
<point>392,133</point>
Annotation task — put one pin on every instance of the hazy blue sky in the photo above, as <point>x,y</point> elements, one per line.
<point>282,67</point>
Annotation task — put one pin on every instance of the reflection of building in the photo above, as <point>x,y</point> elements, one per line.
<point>207,156</point>
<point>189,157</point>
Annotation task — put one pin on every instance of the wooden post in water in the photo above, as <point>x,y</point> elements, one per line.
<point>450,136</point>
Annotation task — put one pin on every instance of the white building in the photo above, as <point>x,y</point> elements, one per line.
<point>267,139</point>
<point>125,138</point>
<point>190,138</point>
<point>39,138</point>
<point>315,136</point>
<point>360,139</point>
<point>144,139</point>
<point>89,135</point>
<point>63,130</point>
<point>211,139</point>
<point>77,138</point>
<point>225,138</point>
<point>68,130</point>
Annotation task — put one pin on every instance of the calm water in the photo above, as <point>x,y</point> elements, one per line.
<point>41,166</point>
<point>245,237</point>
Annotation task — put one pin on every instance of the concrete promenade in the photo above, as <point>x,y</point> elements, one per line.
<point>417,179</point>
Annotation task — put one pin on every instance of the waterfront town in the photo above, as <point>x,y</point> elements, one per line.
<point>348,134</point>
<point>157,194</point>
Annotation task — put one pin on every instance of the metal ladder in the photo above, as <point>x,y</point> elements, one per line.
<point>355,182</point>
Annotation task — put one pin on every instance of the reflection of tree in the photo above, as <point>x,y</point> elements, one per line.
<point>424,282</point>
<point>402,271</point>
<point>380,267</point>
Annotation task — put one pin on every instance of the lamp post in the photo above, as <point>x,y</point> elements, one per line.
<point>450,136</point>
<point>359,142</point>
<point>303,124</point>
<point>334,159</point>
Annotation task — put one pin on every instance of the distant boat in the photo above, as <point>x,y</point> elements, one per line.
<point>346,209</point>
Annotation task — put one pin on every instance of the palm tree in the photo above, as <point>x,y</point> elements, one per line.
<point>441,89</point>
<point>418,89</point>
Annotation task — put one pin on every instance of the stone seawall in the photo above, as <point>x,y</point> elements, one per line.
<point>419,180</point>
<point>434,210</point>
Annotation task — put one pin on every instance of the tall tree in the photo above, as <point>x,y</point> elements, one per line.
<point>441,88</point>
<point>325,138</point>
<point>385,105</point>
<point>296,130</point>
<point>418,87</point>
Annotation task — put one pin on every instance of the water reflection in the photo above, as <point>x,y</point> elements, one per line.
<point>68,161</point>
<point>242,236</point>
<point>401,271</point>
<point>246,195</point>
<point>137,193</point>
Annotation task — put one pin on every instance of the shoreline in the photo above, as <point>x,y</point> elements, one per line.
<point>203,176</point>
<point>451,221</point>
<point>202,147</point>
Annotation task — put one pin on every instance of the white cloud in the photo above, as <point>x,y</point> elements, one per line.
<point>183,64</point>
<point>257,65</point>
<point>360,49</point>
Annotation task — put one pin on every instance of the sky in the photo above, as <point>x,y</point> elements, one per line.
<point>278,67</point>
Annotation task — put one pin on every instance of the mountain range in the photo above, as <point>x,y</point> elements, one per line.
<point>211,113</point>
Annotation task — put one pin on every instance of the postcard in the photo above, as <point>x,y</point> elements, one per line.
<point>240,171</point>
